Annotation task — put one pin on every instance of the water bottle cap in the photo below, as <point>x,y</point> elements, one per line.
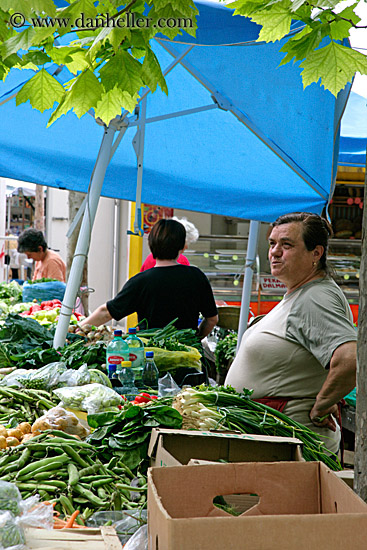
<point>126,363</point>
<point>149,354</point>
<point>132,330</point>
<point>117,333</point>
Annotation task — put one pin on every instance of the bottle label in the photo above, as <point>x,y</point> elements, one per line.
<point>136,357</point>
<point>115,359</point>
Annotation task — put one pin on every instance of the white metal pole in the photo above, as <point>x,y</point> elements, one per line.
<point>82,245</point>
<point>253,239</point>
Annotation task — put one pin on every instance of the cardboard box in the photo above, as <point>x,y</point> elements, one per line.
<point>300,506</point>
<point>177,447</point>
<point>347,476</point>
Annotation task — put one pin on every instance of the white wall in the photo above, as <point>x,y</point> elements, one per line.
<point>103,276</point>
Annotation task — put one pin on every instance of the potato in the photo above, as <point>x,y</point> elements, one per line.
<point>3,431</point>
<point>15,433</point>
<point>40,425</point>
<point>27,437</point>
<point>3,444</point>
<point>12,441</point>
<point>25,427</point>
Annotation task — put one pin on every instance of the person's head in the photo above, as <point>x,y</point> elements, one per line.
<point>298,246</point>
<point>32,243</point>
<point>192,234</point>
<point>167,239</point>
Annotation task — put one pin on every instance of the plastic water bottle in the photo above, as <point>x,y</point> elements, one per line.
<point>117,351</point>
<point>127,378</point>
<point>150,371</point>
<point>136,355</point>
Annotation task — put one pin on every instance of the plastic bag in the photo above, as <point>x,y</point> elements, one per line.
<point>139,540</point>
<point>15,378</point>
<point>91,398</point>
<point>58,418</point>
<point>53,290</point>
<point>45,378</point>
<point>78,377</point>
<point>126,522</point>
<point>172,360</point>
<point>167,386</point>
<point>11,533</point>
<point>10,497</point>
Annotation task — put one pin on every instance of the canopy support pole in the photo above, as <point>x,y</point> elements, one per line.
<point>82,246</point>
<point>253,239</point>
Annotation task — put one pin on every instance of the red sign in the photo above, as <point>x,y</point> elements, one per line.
<point>272,283</point>
<point>152,214</point>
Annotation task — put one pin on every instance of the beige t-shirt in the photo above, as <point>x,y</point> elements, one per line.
<point>52,267</point>
<point>287,353</point>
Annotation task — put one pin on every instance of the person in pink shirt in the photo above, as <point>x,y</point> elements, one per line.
<point>192,235</point>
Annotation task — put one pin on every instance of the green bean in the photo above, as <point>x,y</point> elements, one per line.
<point>93,499</point>
<point>31,468</point>
<point>67,504</point>
<point>75,456</point>
<point>99,482</point>
<point>73,474</point>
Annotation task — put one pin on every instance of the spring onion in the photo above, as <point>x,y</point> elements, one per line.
<point>222,408</point>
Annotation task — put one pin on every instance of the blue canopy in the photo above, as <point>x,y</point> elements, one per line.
<point>256,145</point>
<point>353,133</point>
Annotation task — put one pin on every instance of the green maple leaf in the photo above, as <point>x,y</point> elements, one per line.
<point>82,96</point>
<point>152,73</point>
<point>335,65</point>
<point>185,18</point>
<point>28,8</point>
<point>20,41</point>
<point>276,21</point>
<point>299,46</point>
<point>41,34</point>
<point>117,36</point>
<point>72,57</point>
<point>113,102</point>
<point>124,71</point>
<point>247,7</point>
<point>37,57</point>
<point>340,28</point>
<point>5,32</point>
<point>78,61</point>
<point>42,90</point>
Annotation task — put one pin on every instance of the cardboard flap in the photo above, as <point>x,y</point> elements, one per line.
<point>270,481</point>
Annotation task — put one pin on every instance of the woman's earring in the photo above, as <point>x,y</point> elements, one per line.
<point>314,264</point>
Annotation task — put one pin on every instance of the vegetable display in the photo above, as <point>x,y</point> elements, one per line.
<point>218,408</point>
<point>126,434</point>
<point>68,472</point>
<point>24,405</point>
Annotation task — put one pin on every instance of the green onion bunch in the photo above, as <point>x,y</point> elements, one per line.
<point>218,408</point>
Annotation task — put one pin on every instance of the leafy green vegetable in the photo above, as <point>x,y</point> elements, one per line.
<point>128,431</point>
<point>225,350</point>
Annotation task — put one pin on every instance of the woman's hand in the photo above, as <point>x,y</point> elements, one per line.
<point>324,419</point>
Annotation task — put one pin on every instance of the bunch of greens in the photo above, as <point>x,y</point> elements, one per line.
<point>225,350</point>
<point>10,293</point>
<point>171,338</point>
<point>222,407</point>
<point>126,433</point>
<point>20,335</point>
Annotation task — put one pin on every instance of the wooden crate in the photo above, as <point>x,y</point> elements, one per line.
<point>104,538</point>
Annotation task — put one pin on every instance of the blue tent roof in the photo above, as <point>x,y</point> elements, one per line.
<point>353,133</point>
<point>263,147</point>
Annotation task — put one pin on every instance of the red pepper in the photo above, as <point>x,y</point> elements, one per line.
<point>144,398</point>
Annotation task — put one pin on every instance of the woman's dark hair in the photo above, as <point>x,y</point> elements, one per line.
<point>315,231</point>
<point>166,239</point>
<point>30,241</point>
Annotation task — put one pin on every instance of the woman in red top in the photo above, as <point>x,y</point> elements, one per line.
<point>192,235</point>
